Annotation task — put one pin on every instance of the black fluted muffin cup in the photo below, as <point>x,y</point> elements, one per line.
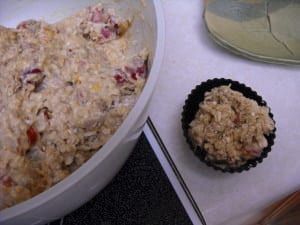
<point>191,107</point>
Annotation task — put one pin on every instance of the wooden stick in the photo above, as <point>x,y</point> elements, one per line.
<point>281,210</point>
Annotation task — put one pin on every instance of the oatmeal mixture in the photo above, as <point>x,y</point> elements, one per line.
<point>65,88</point>
<point>230,127</point>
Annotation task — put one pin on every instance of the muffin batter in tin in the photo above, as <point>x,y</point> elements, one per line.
<point>230,127</point>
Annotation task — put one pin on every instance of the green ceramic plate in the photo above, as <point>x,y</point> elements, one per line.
<point>264,30</point>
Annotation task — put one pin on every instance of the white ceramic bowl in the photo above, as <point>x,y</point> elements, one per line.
<point>94,175</point>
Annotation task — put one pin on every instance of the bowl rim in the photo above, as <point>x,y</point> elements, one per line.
<point>61,187</point>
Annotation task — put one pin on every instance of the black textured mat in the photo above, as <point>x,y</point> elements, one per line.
<point>140,194</point>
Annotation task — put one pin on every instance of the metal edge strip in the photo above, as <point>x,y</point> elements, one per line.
<point>175,170</point>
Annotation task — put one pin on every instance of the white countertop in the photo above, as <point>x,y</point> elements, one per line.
<point>192,57</point>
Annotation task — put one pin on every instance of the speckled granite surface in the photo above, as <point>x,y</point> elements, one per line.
<point>139,194</point>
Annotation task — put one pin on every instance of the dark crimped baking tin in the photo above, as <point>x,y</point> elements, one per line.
<point>191,107</point>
